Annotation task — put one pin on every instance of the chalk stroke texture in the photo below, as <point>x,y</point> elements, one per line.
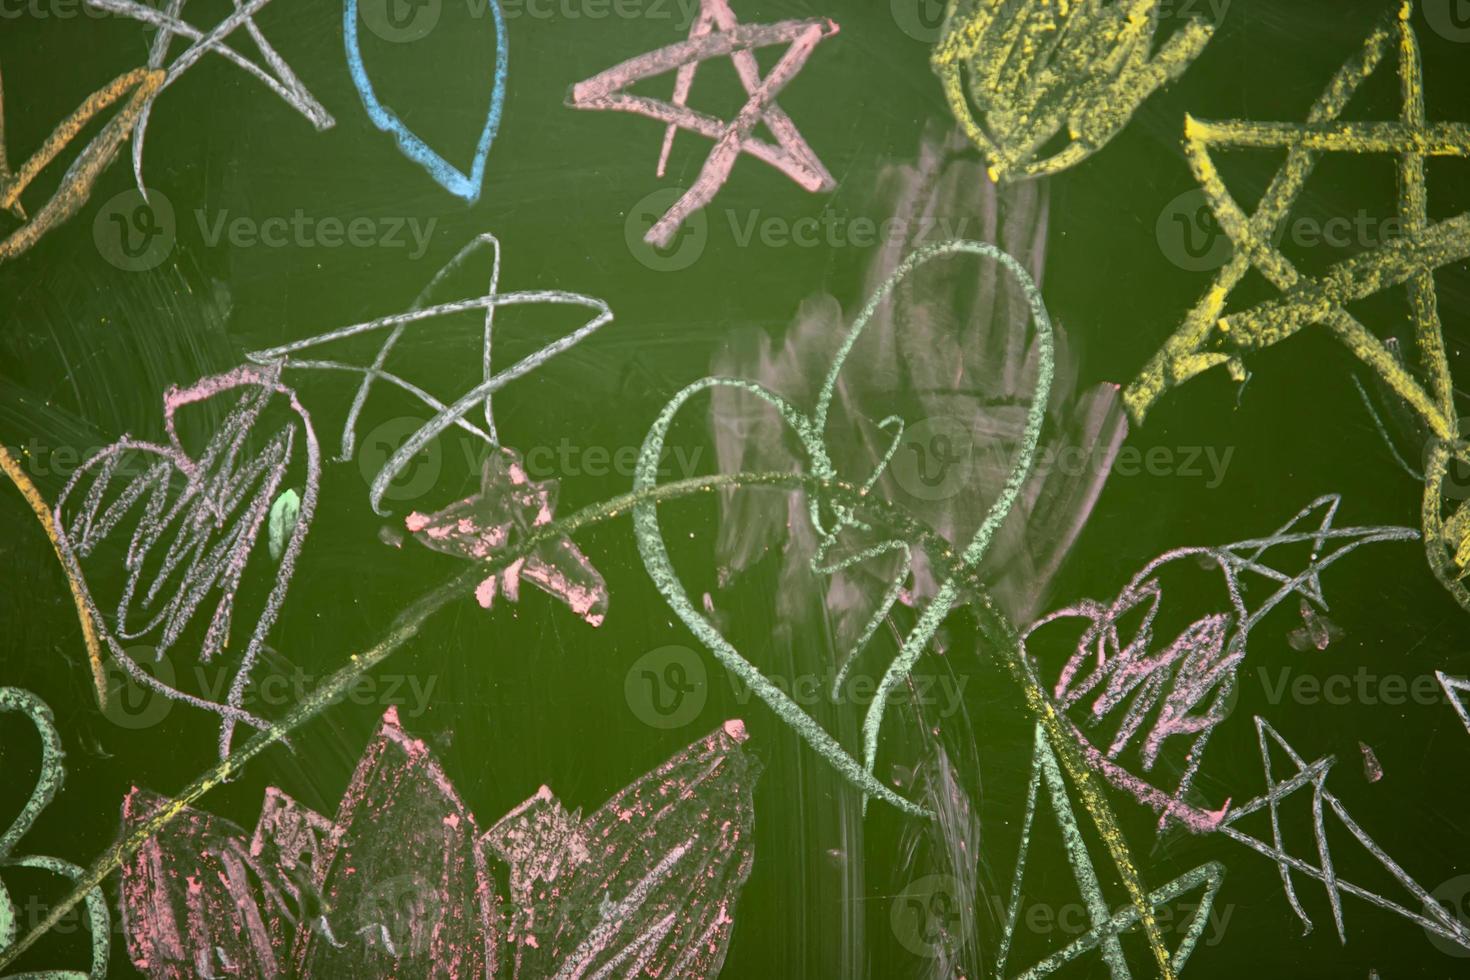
<point>811,430</point>
<point>169,23</point>
<point>32,494</point>
<point>403,884</point>
<point>1123,689</point>
<point>445,416</point>
<point>49,781</point>
<point>133,92</point>
<point>1105,926</point>
<point>406,625</point>
<point>716,33</point>
<point>949,351</point>
<point>1434,917</point>
<point>1456,692</point>
<point>1037,67</point>
<point>1211,337</point>
<point>460,183</point>
<point>161,536</point>
<point>508,505</point>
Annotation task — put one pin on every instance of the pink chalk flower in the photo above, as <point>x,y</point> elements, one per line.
<point>402,883</point>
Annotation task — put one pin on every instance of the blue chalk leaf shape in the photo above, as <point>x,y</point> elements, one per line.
<point>446,174</point>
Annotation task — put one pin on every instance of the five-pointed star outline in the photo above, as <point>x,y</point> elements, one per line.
<point>716,33</point>
<point>278,77</point>
<point>456,413</point>
<point>1409,260</point>
<point>1434,918</point>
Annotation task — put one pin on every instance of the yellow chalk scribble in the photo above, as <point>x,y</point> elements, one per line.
<point>1210,337</point>
<point>94,158</point>
<point>1036,66</point>
<point>27,488</point>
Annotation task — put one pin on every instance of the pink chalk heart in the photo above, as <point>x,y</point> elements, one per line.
<point>188,523</point>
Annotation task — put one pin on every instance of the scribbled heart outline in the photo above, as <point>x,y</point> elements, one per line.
<point>225,442</point>
<point>444,173</point>
<point>1232,561</point>
<point>808,430</point>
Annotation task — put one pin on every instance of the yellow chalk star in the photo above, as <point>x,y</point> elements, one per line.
<point>1210,337</point>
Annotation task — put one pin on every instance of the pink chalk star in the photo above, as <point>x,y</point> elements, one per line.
<point>508,505</point>
<point>716,33</point>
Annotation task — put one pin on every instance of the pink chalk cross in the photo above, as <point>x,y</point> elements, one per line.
<point>716,33</point>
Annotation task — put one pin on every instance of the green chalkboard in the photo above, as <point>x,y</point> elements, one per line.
<point>550,589</point>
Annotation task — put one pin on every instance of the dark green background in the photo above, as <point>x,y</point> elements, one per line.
<point>529,695</point>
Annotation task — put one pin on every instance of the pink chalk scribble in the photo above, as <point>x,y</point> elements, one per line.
<point>1317,632</point>
<point>191,522</point>
<point>1372,768</point>
<point>508,505</point>
<point>716,33</point>
<point>402,883</point>
<point>1127,674</point>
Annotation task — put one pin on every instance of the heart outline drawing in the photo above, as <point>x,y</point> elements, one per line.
<point>207,530</point>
